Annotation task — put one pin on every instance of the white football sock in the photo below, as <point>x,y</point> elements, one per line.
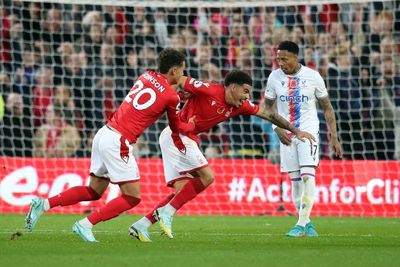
<point>46,205</point>
<point>145,222</point>
<point>86,223</point>
<point>297,188</point>
<point>307,200</point>
<point>169,209</point>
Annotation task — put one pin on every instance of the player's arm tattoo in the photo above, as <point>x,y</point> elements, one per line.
<point>329,114</point>
<point>268,112</point>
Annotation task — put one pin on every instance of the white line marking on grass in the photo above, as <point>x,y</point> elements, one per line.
<point>8,231</point>
<point>50,231</point>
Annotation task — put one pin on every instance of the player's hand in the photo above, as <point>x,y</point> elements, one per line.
<point>184,95</point>
<point>188,127</point>
<point>283,136</point>
<point>337,148</point>
<point>302,135</point>
<point>191,120</point>
<point>178,143</point>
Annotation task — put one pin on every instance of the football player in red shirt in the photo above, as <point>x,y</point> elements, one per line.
<point>187,170</point>
<point>112,160</point>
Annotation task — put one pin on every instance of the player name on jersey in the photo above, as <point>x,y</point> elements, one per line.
<point>154,82</point>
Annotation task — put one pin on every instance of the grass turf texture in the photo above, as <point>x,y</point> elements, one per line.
<point>203,241</point>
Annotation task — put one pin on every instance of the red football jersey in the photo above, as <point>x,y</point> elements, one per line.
<point>148,99</point>
<point>207,103</point>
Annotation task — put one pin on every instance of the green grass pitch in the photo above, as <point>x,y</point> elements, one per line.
<point>203,241</point>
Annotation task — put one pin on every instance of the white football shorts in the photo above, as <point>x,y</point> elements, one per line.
<point>177,165</point>
<point>299,154</point>
<point>112,157</point>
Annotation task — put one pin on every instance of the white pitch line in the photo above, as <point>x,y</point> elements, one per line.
<point>11,231</point>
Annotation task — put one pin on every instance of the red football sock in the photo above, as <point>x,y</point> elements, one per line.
<point>74,195</point>
<point>160,204</point>
<point>113,208</point>
<point>187,193</point>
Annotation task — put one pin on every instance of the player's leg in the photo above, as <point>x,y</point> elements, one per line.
<point>297,188</point>
<point>202,178</point>
<point>75,194</point>
<point>307,200</point>
<point>185,190</point>
<point>308,160</point>
<point>130,198</point>
<point>139,229</point>
<point>177,184</point>
<point>150,216</point>
<point>69,197</point>
<point>149,219</point>
<point>94,191</point>
<point>290,164</point>
<point>192,163</point>
<point>116,154</point>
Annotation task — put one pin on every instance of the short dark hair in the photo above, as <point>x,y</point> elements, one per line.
<point>238,77</point>
<point>169,58</point>
<point>289,46</point>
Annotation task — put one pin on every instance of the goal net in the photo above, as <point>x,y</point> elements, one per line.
<point>65,66</point>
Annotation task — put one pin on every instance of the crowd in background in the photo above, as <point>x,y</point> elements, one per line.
<point>65,68</point>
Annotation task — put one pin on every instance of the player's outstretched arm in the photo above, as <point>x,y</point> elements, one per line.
<point>330,119</point>
<point>283,135</point>
<point>267,112</point>
<point>176,125</point>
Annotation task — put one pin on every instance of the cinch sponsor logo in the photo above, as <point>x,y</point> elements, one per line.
<point>294,99</point>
